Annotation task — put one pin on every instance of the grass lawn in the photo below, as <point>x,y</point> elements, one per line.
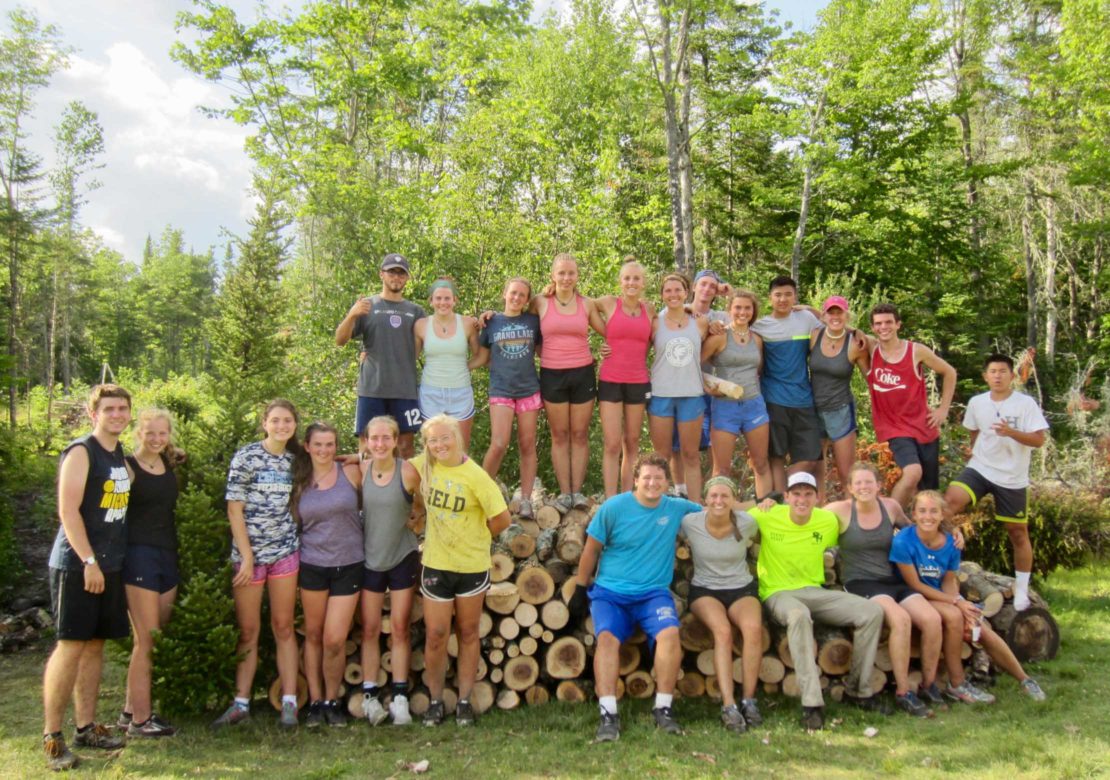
<point>1066,737</point>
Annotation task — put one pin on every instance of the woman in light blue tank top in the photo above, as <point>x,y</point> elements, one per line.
<point>449,343</point>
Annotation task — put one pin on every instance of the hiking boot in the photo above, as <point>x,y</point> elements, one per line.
<point>232,716</point>
<point>664,719</point>
<point>153,727</point>
<point>911,705</point>
<point>314,717</point>
<point>464,714</point>
<point>732,720</point>
<point>372,709</point>
<point>526,510</point>
<point>751,712</point>
<point>813,718</point>
<point>58,756</point>
<point>609,729</point>
<point>968,694</point>
<point>97,735</point>
<point>399,711</point>
<point>288,717</point>
<point>1030,688</point>
<point>873,703</point>
<point>434,715</point>
<point>580,501</point>
<point>334,716</point>
<point>564,503</point>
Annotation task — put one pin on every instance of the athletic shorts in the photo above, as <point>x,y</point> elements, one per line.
<point>531,403</point>
<point>869,589</point>
<point>795,431</point>
<point>458,402</point>
<point>1009,503</point>
<point>568,385</point>
<point>620,614</point>
<point>706,421</point>
<point>79,615</point>
<point>406,411</point>
<point>286,567</point>
<point>682,409</point>
<point>401,577</point>
<point>838,423</point>
<point>623,392</point>
<point>439,585</point>
<point>151,568</point>
<point>739,416</point>
<point>727,597</point>
<point>909,451</point>
<point>336,580</point>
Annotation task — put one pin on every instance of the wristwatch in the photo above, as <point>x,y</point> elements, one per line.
<point>90,561</point>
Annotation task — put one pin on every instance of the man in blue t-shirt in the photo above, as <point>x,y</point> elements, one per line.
<point>633,534</point>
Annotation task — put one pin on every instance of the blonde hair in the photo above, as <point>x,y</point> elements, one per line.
<point>861,465</point>
<point>517,279</point>
<point>562,257</point>
<point>747,295</point>
<point>681,278</point>
<point>387,421</point>
<point>144,418</point>
<point>451,424</point>
<point>936,497</point>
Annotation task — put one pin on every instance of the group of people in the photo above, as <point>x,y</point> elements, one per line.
<point>340,529</point>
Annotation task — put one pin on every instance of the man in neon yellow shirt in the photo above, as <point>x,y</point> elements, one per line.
<point>793,539</point>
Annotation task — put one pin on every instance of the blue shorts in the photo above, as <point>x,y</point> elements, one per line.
<point>682,409</point>
<point>151,568</point>
<point>740,416</point>
<point>455,401</point>
<point>705,422</point>
<point>838,423</point>
<point>619,614</point>
<point>406,411</point>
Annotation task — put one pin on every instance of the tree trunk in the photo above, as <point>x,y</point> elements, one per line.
<point>1028,244</point>
<point>1052,314</point>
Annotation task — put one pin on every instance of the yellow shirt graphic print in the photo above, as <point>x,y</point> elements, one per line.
<point>115,494</point>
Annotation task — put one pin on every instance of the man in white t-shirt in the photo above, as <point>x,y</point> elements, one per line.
<point>1006,426</point>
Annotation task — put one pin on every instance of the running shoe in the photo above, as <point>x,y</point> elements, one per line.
<point>664,719</point>
<point>314,718</point>
<point>288,717</point>
<point>564,503</point>
<point>58,756</point>
<point>434,715</point>
<point>232,716</point>
<point>609,729</point>
<point>968,694</point>
<point>372,709</point>
<point>873,703</point>
<point>911,705</point>
<point>580,501</point>
<point>399,711</point>
<point>526,510</point>
<point>932,696</point>
<point>732,719</point>
<point>153,727</point>
<point>97,735</point>
<point>1034,691</point>
<point>813,718</point>
<point>124,720</point>
<point>751,713</point>
<point>334,715</point>
<point>464,713</point>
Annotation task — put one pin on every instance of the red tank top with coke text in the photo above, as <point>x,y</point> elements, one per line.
<point>898,405</point>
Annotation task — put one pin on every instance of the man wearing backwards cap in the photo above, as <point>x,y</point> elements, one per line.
<point>791,568</point>
<point>387,377</point>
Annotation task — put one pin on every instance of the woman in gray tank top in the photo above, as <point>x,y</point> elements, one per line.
<point>737,356</point>
<point>392,563</point>
<point>867,526</point>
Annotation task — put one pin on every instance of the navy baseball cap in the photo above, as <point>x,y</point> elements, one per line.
<point>394,260</point>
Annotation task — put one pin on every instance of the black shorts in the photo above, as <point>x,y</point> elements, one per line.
<point>336,580</point>
<point>151,568</point>
<point>623,392</point>
<point>869,589</point>
<point>439,585</point>
<point>401,577</point>
<point>79,615</point>
<point>795,431</point>
<point>1009,503</point>
<point>568,385</point>
<point>909,451</point>
<point>727,597</point>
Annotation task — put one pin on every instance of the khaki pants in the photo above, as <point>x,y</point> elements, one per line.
<point>798,609</point>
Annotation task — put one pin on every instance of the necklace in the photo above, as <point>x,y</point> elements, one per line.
<point>742,336</point>
<point>443,326</point>
<point>145,465</point>
<point>379,471</point>
<point>837,337</point>
<point>677,323</point>
<point>567,302</point>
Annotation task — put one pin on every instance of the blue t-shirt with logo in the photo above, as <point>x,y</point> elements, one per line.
<point>512,345</point>
<point>637,542</point>
<point>931,564</point>
<point>785,379</point>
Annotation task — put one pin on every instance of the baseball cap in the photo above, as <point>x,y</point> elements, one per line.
<point>835,301</point>
<point>707,272</point>
<point>801,478</point>
<point>394,260</point>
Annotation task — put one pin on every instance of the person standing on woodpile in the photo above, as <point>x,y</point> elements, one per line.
<point>86,575</point>
<point>387,373</point>
<point>1006,426</point>
<point>927,559</point>
<point>630,542</point>
<point>447,340</point>
<point>791,571</point>
<point>465,511</point>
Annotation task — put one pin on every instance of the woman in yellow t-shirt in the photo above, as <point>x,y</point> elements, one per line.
<point>465,509</point>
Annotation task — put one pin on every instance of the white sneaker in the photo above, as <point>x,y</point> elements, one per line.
<point>1021,601</point>
<point>399,711</point>
<point>372,709</point>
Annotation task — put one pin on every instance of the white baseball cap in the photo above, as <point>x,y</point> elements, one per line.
<point>801,478</point>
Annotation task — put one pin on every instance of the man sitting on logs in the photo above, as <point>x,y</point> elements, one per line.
<point>791,569</point>
<point>633,535</point>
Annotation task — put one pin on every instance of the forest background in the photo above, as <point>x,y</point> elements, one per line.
<point>948,155</point>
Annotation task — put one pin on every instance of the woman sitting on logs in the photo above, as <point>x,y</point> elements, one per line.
<point>928,560</point>
<point>465,510</point>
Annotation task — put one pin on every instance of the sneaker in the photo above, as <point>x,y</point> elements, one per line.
<point>813,718</point>
<point>334,715</point>
<point>399,711</point>
<point>288,717</point>
<point>314,717</point>
<point>526,510</point>
<point>873,703</point>
<point>968,694</point>
<point>464,714</point>
<point>434,715</point>
<point>372,709</point>
<point>1021,602</point>
<point>732,720</point>
<point>664,719</point>
<point>1030,687</point>
<point>124,720</point>
<point>233,716</point>
<point>932,697</point>
<point>97,735</point>
<point>580,501</point>
<point>564,503</point>
<point>911,705</point>
<point>58,756</point>
<point>609,729</point>
<point>751,713</point>
<point>153,727</point>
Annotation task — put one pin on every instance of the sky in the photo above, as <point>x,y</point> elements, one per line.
<point>165,162</point>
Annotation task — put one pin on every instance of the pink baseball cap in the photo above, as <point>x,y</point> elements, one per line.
<point>835,301</point>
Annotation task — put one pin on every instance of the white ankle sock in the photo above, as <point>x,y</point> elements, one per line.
<point>663,700</point>
<point>289,698</point>
<point>608,704</point>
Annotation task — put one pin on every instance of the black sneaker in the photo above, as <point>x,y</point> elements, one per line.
<point>314,718</point>
<point>873,703</point>
<point>732,720</point>
<point>813,718</point>
<point>609,729</point>
<point>911,705</point>
<point>333,715</point>
<point>434,715</point>
<point>464,714</point>
<point>664,719</point>
<point>153,727</point>
<point>751,712</point>
<point>932,696</point>
<point>97,735</point>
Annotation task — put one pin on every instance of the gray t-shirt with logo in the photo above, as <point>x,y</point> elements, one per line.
<point>389,370</point>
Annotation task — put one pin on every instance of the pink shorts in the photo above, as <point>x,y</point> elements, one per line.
<point>519,405</point>
<point>286,567</point>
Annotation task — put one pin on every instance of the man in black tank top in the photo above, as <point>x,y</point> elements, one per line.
<point>86,580</point>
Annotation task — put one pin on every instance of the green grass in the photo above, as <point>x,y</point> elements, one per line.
<point>1066,737</point>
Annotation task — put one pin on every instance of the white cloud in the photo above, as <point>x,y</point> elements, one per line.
<point>113,238</point>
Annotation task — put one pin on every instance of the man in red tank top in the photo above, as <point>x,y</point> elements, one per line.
<point>899,407</point>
